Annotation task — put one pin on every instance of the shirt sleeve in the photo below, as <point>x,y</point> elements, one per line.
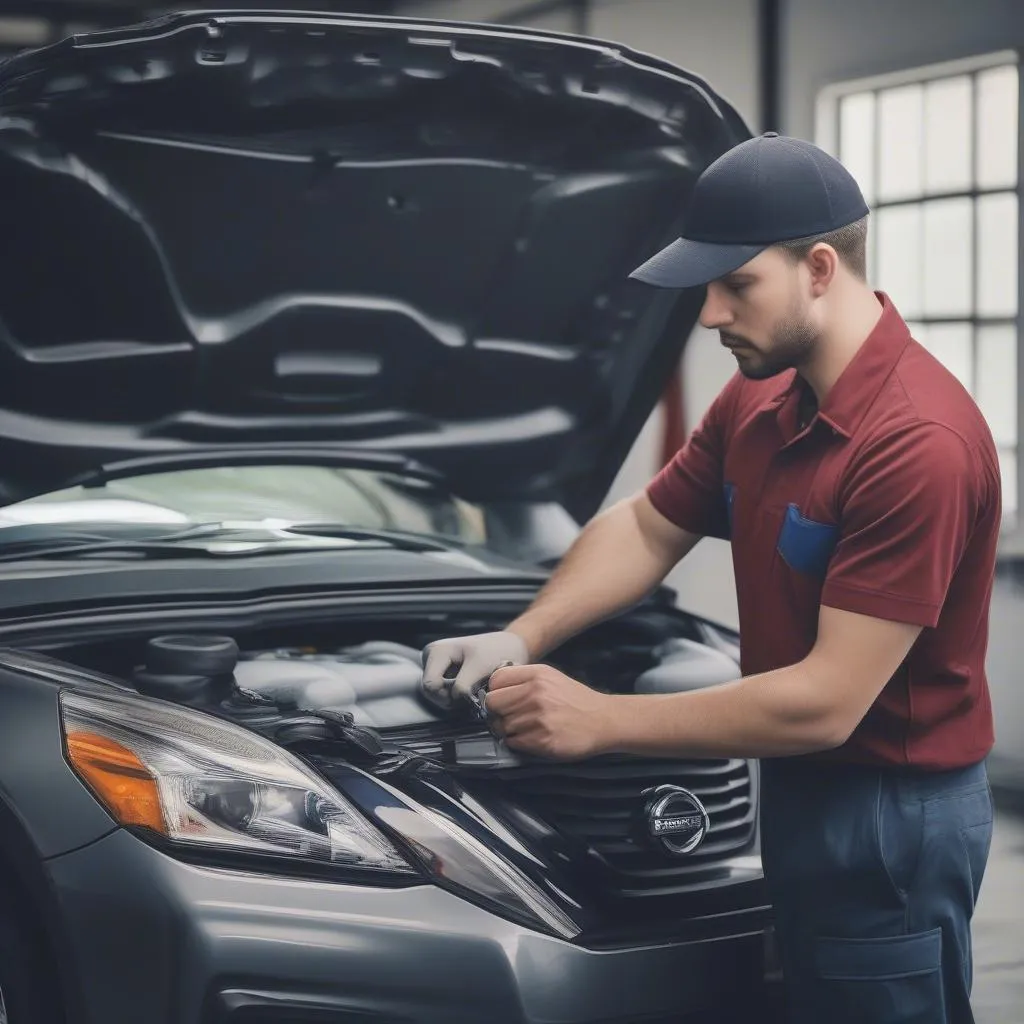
<point>689,491</point>
<point>907,513</point>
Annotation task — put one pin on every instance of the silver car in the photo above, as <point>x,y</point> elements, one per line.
<point>318,344</point>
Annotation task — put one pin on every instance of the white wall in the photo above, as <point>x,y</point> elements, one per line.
<point>458,10</point>
<point>717,41</point>
<point>704,38</point>
<point>561,20</point>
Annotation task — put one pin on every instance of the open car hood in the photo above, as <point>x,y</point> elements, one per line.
<point>249,227</point>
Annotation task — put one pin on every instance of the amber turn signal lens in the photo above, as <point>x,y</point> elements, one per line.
<point>119,779</point>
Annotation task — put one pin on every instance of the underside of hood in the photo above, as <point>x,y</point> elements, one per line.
<point>240,228</point>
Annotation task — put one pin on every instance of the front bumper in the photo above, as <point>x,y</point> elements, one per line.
<point>165,942</point>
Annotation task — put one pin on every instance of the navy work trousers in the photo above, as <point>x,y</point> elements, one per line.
<point>874,874</point>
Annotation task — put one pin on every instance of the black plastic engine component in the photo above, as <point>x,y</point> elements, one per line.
<point>191,655</point>
<point>188,668</point>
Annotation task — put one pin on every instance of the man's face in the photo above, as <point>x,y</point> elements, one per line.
<point>762,315</point>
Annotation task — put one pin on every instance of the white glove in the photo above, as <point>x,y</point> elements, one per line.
<point>475,658</point>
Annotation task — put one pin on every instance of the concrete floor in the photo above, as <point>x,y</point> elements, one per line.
<point>998,996</point>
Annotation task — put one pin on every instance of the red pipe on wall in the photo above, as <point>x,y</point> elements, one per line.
<point>673,432</point>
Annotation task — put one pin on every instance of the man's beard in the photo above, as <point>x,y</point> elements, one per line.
<point>791,342</point>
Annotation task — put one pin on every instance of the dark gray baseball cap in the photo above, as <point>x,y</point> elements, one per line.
<point>766,190</point>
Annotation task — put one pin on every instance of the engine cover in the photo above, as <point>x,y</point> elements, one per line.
<point>378,683</point>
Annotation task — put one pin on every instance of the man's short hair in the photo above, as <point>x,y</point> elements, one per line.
<point>850,243</point>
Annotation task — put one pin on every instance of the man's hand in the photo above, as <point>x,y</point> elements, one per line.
<point>538,710</point>
<point>453,669</point>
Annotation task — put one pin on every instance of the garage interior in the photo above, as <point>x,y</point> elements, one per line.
<point>922,99</point>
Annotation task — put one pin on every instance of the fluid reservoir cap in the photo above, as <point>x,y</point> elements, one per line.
<point>183,689</point>
<point>191,655</point>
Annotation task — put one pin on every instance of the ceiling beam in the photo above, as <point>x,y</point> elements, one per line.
<point>769,68</point>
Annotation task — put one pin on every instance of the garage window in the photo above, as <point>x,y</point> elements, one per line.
<point>936,152</point>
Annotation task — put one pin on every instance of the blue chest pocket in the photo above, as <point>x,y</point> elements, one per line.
<point>807,545</point>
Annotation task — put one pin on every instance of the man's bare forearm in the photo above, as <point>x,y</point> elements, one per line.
<point>777,714</point>
<point>617,560</point>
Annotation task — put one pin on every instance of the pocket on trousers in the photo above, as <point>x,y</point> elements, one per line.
<point>977,841</point>
<point>881,981</point>
<point>807,545</point>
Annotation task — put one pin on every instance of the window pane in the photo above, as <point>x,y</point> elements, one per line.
<point>918,331</point>
<point>951,345</point>
<point>947,133</point>
<point>901,113</point>
<point>899,257</point>
<point>947,257</point>
<point>997,255</point>
<point>997,127</point>
<point>1008,468</point>
<point>857,140</point>
<point>997,381</point>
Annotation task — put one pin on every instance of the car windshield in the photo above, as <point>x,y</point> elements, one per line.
<point>271,496</point>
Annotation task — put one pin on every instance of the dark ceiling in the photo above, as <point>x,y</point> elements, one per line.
<point>108,13</point>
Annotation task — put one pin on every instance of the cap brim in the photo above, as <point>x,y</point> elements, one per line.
<point>686,264</point>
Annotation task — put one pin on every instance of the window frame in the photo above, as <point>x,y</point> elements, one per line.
<point>826,132</point>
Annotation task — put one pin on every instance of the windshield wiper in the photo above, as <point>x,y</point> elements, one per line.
<point>287,454</point>
<point>181,543</point>
<point>22,535</point>
<point>399,538</point>
<point>149,548</point>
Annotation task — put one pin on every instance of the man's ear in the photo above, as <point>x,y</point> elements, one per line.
<point>822,264</point>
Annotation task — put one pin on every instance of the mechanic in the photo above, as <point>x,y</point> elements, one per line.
<point>860,488</point>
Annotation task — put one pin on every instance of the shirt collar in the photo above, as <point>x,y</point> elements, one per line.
<point>849,399</point>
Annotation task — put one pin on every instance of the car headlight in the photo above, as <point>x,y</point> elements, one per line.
<point>203,784</point>
<point>206,784</point>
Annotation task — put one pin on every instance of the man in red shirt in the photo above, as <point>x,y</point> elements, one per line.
<point>860,488</point>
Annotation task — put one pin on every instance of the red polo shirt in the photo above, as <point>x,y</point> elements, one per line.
<point>888,504</point>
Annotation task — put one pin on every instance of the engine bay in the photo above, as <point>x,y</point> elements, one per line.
<point>344,696</point>
<point>358,684</point>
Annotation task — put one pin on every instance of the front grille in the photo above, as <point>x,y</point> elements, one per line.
<point>598,805</point>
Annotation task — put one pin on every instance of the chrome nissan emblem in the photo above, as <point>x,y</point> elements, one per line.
<point>676,820</point>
